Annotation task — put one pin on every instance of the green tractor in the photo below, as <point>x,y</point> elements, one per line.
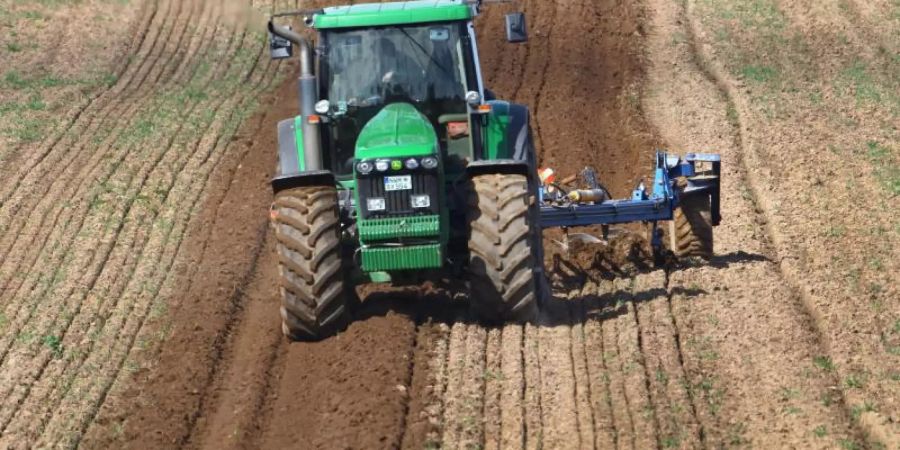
<point>401,166</point>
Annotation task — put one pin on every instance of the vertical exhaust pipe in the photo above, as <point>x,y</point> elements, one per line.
<point>308,92</point>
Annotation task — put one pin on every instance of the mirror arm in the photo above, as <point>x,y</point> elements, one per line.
<point>306,62</point>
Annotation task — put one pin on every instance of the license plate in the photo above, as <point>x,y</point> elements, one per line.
<point>398,183</point>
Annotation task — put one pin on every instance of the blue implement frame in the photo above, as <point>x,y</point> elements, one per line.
<point>647,205</point>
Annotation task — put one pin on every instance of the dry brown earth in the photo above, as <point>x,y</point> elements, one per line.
<point>138,289</point>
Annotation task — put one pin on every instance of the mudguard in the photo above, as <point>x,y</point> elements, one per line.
<point>509,147</point>
<point>290,146</point>
<point>508,133</point>
<point>308,178</point>
<point>290,171</point>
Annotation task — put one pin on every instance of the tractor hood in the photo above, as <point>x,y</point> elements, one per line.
<point>398,130</point>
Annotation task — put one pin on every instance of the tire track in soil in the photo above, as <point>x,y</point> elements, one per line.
<point>207,156</point>
<point>880,430</point>
<point>59,184</point>
<point>12,238</point>
<point>674,408</point>
<point>239,103</point>
<point>31,313</point>
<point>32,181</point>
<point>227,200</point>
<point>84,179</point>
<point>744,342</point>
<point>105,259</point>
<point>142,27</point>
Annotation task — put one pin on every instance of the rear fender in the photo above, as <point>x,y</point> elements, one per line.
<point>290,172</point>
<point>508,133</point>
<point>300,179</point>
<point>504,166</point>
<point>290,147</point>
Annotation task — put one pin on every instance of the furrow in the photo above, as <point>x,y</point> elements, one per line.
<point>454,401</point>
<point>169,284</point>
<point>493,389</point>
<point>605,435</point>
<point>559,414</point>
<point>9,185</point>
<point>463,426</point>
<point>676,421</point>
<point>115,239</point>
<point>587,424</point>
<point>533,406</point>
<point>513,410</point>
<point>169,247</point>
<point>11,238</point>
<point>87,140</point>
<point>19,323</point>
<point>635,384</point>
<point>810,318</point>
<point>621,411</point>
<point>58,251</point>
<point>422,423</point>
<point>61,250</point>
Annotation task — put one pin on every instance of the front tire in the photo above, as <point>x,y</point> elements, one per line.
<point>314,297</point>
<point>501,258</point>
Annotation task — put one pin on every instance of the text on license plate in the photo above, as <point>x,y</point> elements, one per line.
<point>398,183</point>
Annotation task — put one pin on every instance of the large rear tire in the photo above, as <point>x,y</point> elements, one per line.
<point>314,298</point>
<point>692,230</point>
<point>501,258</point>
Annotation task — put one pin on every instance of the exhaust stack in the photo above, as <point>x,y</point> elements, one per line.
<point>312,151</point>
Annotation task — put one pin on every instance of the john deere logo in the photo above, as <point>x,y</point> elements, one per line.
<point>396,165</point>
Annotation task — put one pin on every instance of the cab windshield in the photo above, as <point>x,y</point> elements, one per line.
<point>363,69</point>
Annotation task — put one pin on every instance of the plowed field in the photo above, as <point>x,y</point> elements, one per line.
<point>138,287</point>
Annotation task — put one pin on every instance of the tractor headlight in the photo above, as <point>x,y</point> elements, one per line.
<point>412,164</point>
<point>364,167</point>
<point>420,201</point>
<point>429,162</point>
<point>323,106</point>
<point>382,165</point>
<point>376,204</point>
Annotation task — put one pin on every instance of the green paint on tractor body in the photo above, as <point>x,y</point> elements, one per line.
<point>373,230</point>
<point>496,142</point>
<point>298,130</point>
<point>399,130</point>
<point>395,13</point>
<point>388,259</point>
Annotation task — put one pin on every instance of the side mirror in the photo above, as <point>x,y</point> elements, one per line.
<point>516,29</point>
<point>279,47</point>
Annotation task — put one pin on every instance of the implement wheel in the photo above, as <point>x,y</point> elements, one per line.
<point>692,231</point>
<point>501,258</point>
<point>314,297</point>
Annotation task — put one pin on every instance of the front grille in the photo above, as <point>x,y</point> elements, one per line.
<point>398,202</point>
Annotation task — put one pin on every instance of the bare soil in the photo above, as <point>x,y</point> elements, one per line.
<point>138,287</point>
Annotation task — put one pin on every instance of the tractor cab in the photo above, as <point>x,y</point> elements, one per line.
<point>409,61</point>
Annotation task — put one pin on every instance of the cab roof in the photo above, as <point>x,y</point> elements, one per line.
<point>395,13</point>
